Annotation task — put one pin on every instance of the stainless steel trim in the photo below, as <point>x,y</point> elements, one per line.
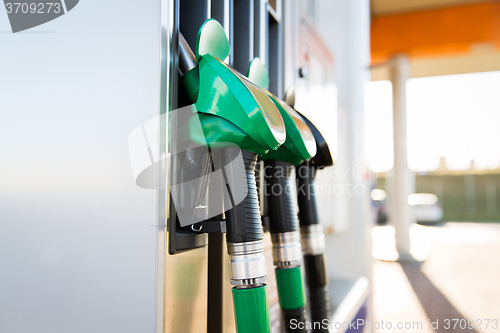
<point>166,29</point>
<point>286,249</point>
<point>312,239</point>
<point>247,264</point>
<point>285,237</point>
<point>245,248</point>
<point>223,227</point>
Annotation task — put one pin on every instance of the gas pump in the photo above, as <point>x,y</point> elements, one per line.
<point>284,225</point>
<point>234,111</point>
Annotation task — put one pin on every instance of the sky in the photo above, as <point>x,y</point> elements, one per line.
<point>455,116</point>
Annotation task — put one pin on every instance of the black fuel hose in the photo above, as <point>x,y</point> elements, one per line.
<point>308,211</point>
<point>243,220</point>
<point>314,260</point>
<point>244,235</point>
<point>282,213</point>
<point>284,227</point>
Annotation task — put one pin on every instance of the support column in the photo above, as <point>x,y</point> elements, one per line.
<point>404,179</point>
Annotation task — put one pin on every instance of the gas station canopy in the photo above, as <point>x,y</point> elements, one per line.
<point>440,37</point>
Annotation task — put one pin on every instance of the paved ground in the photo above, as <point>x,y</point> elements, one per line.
<point>459,280</point>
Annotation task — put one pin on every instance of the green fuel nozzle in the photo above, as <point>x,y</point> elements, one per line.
<point>231,108</point>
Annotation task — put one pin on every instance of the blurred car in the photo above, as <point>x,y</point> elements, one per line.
<point>426,207</point>
<point>379,198</point>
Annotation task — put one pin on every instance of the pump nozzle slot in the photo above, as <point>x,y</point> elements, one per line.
<point>208,226</point>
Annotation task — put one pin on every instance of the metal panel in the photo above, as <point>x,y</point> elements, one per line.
<point>185,284</point>
<point>186,292</point>
<point>274,50</point>
<point>243,34</point>
<point>221,10</point>
<point>192,15</point>
<point>260,35</point>
<point>77,236</point>
<point>166,82</point>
